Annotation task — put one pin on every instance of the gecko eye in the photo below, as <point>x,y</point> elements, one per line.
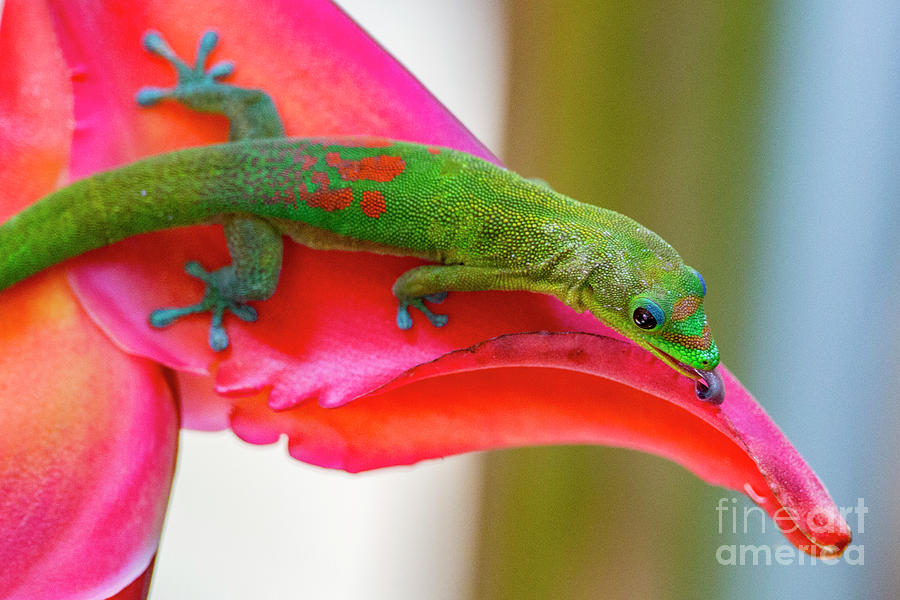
<point>647,314</point>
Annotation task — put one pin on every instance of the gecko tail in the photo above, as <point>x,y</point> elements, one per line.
<point>35,238</point>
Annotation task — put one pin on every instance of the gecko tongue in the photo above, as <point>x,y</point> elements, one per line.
<point>710,388</point>
<point>708,384</point>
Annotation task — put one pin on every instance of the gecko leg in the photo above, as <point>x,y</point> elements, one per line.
<point>255,246</point>
<point>251,112</point>
<point>256,250</point>
<point>432,282</point>
<point>214,301</point>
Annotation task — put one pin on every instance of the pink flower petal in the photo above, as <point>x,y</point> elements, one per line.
<point>35,107</point>
<point>87,451</point>
<point>603,390</point>
<point>87,434</point>
<point>137,589</point>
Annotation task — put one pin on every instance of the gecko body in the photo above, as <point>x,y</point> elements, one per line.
<point>483,227</point>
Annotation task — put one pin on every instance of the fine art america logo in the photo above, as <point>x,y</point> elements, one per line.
<point>743,520</point>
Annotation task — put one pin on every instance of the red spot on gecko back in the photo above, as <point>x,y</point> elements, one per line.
<point>327,199</point>
<point>434,150</point>
<point>379,168</point>
<point>373,203</point>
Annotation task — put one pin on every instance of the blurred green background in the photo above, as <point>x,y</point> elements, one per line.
<point>760,140</point>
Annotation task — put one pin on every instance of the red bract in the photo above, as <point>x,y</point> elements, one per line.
<point>87,433</point>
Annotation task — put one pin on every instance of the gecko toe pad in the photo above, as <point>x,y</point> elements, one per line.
<point>404,319</point>
<point>192,80</point>
<point>214,301</point>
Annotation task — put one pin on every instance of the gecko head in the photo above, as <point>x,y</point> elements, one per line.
<point>662,311</point>
<point>671,319</point>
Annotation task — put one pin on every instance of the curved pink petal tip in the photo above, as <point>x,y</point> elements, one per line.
<point>562,388</point>
<point>333,338</point>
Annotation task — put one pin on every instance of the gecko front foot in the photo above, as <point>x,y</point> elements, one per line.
<point>216,300</point>
<point>404,320</point>
<point>196,87</point>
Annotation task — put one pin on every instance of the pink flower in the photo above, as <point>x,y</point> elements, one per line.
<point>88,433</point>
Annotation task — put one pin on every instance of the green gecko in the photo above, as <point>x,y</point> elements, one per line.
<point>483,227</point>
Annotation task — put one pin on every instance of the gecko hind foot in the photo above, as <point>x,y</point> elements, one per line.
<point>404,320</point>
<point>214,301</point>
<point>193,82</point>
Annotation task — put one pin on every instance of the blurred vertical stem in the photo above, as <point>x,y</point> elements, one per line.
<point>654,109</point>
